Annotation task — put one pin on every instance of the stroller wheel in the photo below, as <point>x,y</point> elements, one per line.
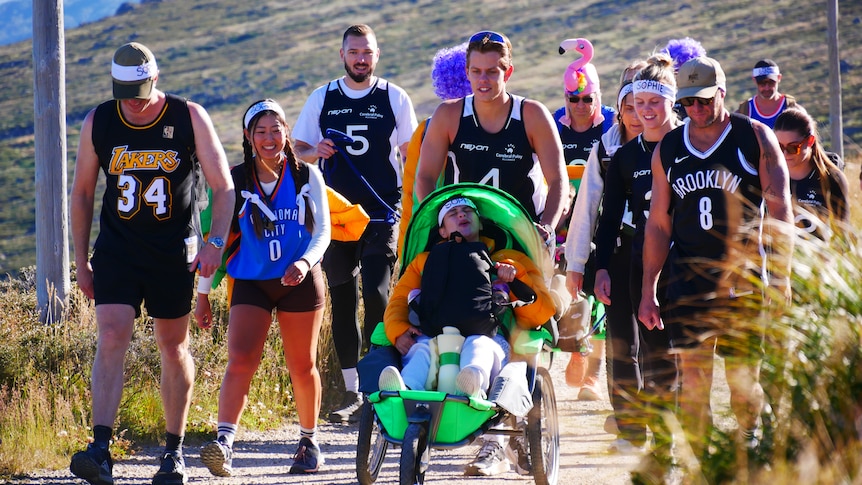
<point>543,431</point>
<point>413,447</point>
<point>371,448</point>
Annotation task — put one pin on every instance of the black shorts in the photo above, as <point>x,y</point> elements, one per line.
<point>268,294</point>
<point>737,323</point>
<point>166,290</point>
<point>342,259</point>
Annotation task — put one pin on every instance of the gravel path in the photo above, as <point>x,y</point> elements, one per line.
<point>264,458</point>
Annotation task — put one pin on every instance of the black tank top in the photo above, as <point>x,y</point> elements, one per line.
<point>148,208</point>
<point>716,206</point>
<point>504,159</point>
<point>370,121</point>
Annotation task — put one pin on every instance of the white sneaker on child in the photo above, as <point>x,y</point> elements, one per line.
<point>469,382</point>
<point>390,380</point>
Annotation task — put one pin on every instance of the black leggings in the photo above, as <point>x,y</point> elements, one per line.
<point>376,273</point>
<point>623,349</point>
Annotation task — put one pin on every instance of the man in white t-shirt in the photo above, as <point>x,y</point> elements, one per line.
<point>379,118</point>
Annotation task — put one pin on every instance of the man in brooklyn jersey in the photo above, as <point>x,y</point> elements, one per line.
<point>379,117</point>
<point>711,177</point>
<point>496,138</point>
<point>149,145</point>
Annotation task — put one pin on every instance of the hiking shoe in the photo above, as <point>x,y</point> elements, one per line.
<point>590,390</point>
<point>576,370</point>
<point>624,447</point>
<point>349,410</point>
<point>491,460</point>
<point>172,471</point>
<point>468,382</point>
<point>390,380</point>
<point>218,458</point>
<point>517,453</point>
<point>93,465</point>
<point>307,458</point>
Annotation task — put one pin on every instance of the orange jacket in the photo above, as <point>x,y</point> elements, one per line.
<point>395,319</point>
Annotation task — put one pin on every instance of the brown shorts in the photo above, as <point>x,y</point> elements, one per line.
<point>268,294</point>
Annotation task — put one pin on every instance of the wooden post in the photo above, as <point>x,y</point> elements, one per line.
<point>52,215</point>
<point>836,123</point>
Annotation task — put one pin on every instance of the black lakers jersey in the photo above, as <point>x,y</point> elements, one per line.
<point>148,209</point>
<point>504,159</point>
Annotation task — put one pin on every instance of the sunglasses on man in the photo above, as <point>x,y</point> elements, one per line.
<point>486,36</point>
<point>687,102</point>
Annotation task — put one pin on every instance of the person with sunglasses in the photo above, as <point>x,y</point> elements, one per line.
<point>768,103</point>
<point>627,186</point>
<point>279,233</point>
<point>379,117</point>
<point>581,122</point>
<point>496,138</point>
<point>710,180</point>
<point>817,185</point>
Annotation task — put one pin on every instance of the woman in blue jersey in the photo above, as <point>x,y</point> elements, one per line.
<point>628,183</point>
<point>818,188</point>
<point>278,236</point>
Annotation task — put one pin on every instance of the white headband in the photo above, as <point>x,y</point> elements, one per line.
<point>451,205</point>
<point>654,87</point>
<point>765,71</point>
<point>624,91</point>
<point>265,105</point>
<point>134,73</point>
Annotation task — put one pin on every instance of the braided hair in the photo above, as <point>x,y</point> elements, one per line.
<point>260,108</point>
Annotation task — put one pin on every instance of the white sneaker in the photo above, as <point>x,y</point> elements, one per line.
<point>624,447</point>
<point>468,382</point>
<point>390,380</point>
<point>491,460</point>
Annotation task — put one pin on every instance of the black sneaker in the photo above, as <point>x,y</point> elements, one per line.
<point>490,461</point>
<point>93,465</point>
<point>218,458</point>
<point>172,471</point>
<point>349,410</point>
<point>516,452</point>
<point>307,458</point>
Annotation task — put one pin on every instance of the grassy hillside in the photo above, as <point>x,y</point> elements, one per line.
<point>226,53</point>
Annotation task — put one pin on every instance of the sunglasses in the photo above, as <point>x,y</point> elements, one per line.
<point>701,101</point>
<point>792,148</point>
<point>486,36</point>
<point>587,99</point>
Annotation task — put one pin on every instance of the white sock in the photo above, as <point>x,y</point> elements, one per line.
<point>351,379</point>
<point>309,433</point>
<point>227,433</point>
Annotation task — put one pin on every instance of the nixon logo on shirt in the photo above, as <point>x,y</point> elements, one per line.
<point>706,179</point>
<point>474,148</point>
<point>123,159</point>
<point>336,112</point>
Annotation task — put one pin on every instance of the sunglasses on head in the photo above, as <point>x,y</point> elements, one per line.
<point>587,99</point>
<point>486,36</point>
<point>701,101</point>
<point>792,148</point>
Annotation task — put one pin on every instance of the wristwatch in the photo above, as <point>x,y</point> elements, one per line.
<point>217,242</point>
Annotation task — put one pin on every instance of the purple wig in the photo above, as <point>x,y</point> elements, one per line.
<point>449,73</point>
<point>682,50</point>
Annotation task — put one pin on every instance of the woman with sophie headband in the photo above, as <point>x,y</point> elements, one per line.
<point>278,236</point>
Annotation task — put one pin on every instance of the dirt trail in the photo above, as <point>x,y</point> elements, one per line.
<point>264,458</point>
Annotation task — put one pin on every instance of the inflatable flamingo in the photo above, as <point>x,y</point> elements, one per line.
<point>575,79</point>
